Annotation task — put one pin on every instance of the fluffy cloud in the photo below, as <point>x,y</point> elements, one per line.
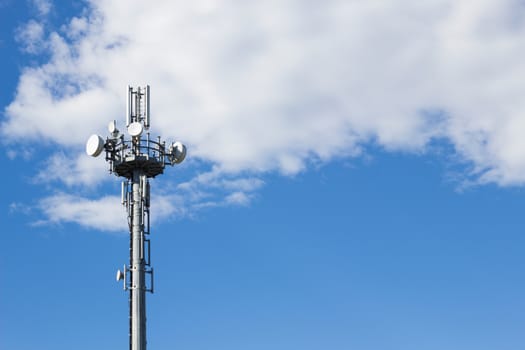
<point>72,171</point>
<point>31,36</point>
<point>42,6</point>
<point>209,190</point>
<point>278,85</point>
<point>105,214</point>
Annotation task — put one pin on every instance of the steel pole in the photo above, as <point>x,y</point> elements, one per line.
<point>138,285</point>
<point>136,162</point>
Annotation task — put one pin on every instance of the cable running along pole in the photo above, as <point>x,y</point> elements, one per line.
<point>136,159</point>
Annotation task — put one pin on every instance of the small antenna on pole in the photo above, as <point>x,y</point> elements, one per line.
<point>129,106</point>
<point>146,108</point>
<point>136,160</point>
<point>124,193</point>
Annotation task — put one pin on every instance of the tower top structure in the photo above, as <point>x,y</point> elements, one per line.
<point>137,152</point>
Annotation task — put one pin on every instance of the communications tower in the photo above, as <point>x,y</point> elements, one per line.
<point>136,159</point>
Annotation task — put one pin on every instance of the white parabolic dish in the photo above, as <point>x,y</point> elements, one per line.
<point>179,151</point>
<point>94,145</point>
<point>135,129</point>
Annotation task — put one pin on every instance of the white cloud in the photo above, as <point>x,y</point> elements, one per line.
<point>106,213</point>
<point>213,189</point>
<point>79,170</point>
<point>238,198</point>
<point>23,208</point>
<point>23,152</point>
<point>278,85</point>
<point>220,180</point>
<point>42,6</point>
<point>31,37</point>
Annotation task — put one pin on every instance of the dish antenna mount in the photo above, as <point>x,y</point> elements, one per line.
<point>136,159</point>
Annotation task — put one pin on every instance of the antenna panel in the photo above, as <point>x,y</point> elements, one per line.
<point>129,106</point>
<point>146,108</point>
<point>124,193</point>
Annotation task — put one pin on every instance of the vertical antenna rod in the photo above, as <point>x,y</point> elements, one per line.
<point>136,160</point>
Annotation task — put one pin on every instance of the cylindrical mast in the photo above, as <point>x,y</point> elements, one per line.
<point>137,266</point>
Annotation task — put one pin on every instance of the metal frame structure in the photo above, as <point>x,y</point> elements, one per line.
<point>136,159</point>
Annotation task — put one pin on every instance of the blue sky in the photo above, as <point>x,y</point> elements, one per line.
<point>353,181</point>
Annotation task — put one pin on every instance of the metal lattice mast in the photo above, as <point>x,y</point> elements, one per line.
<point>136,159</point>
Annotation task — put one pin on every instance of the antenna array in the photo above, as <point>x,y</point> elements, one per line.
<point>136,159</point>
